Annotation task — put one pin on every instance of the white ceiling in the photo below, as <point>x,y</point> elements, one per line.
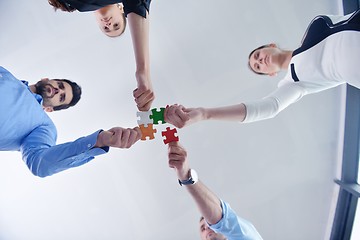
<point>277,173</point>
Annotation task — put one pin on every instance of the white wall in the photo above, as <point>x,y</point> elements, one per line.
<point>277,173</point>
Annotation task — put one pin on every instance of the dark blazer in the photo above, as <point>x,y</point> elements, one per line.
<point>139,7</point>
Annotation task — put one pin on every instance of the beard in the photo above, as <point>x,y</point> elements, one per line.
<point>216,236</point>
<point>42,88</point>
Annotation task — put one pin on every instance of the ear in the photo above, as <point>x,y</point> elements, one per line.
<point>121,7</point>
<point>272,74</point>
<point>48,109</point>
<point>272,45</point>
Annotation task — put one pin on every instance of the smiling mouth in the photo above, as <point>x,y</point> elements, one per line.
<point>50,91</point>
<point>209,234</point>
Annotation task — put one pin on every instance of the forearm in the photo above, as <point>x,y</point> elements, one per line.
<point>139,28</point>
<point>207,202</point>
<point>45,160</point>
<point>228,113</point>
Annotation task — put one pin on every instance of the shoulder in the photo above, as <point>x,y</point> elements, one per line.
<point>140,7</point>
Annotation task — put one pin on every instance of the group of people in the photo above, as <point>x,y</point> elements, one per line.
<point>326,58</point>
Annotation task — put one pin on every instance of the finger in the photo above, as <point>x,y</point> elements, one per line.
<point>173,144</point>
<point>146,106</point>
<point>137,92</point>
<point>176,157</point>
<point>174,164</point>
<point>140,94</point>
<point>124,139</point>
<point>187,110</point>
<point>132,138</point>
<point>176,152</point>
<point>181,118</point>
<point>138,133</point>
<point>144,98</point>
<point>182,115</point>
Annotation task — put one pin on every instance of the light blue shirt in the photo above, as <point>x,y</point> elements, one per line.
<point>234,227</point>
<point>25,127</point>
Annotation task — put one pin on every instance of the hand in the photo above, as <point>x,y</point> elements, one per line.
<point>118,137</point>
<point>179,116</point>
<point>144,96</point>
<point>178,160</point>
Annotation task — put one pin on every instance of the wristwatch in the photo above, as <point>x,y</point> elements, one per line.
<point>192,179</point>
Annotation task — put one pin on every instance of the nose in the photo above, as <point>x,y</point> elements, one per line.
<point>261,60</point>
<point>108,24</point>
<point>56,90</point>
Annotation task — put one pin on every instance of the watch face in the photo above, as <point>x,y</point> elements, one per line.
<point>192,180</point>
<point>194,176</point>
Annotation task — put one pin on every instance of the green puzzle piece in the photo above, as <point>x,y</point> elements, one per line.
<point>157,116</point>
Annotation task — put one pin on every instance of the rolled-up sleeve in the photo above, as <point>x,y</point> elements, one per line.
<point>233,227</point>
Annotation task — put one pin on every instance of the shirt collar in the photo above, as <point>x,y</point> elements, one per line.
<point>38,97</point>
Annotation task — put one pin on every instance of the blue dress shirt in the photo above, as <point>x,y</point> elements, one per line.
<point>25,127</point>
<point>233,227</point>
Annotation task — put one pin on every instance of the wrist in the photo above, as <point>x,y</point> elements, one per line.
<point>99,142</point>
<point>205,114</point>
<point>191,180</point>
<point>184,175</point>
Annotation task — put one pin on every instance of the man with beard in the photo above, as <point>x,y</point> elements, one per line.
<point>218,221</point>
<point>25,127</point>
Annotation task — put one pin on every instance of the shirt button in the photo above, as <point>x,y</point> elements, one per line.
<point>89,145</point>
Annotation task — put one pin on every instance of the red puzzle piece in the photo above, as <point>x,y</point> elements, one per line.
<point>170,135</point>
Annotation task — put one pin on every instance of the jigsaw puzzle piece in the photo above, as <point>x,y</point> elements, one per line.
<point>144,118</point>
<point>169,135</point>
<point>157,116</point>
<point>147,131</point>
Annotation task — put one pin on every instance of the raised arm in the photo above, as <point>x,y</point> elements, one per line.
<point>207,202</point>
<point>217,213</point>
<point>139,28</point>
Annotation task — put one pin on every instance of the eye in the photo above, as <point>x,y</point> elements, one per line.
<point>61,85</point>
<point>62,97</point>
<point>256,55</point>
<point>116,25</point>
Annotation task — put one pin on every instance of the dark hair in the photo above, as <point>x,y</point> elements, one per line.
<point>76,90</point>
<point>61,5</point>
<point>201,218</point>
<point>251,53</point>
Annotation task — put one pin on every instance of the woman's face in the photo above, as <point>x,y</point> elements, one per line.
<point>264,60</point>
<point>111,20</point>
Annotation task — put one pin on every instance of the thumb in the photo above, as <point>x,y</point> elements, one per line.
<point>173,144</point>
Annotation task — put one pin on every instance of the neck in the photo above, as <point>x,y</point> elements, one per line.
<point>285,59</point>
<point>32,88</point>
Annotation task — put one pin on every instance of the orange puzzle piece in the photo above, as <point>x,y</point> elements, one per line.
<point>147,131</point>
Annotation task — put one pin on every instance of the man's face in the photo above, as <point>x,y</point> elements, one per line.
<point>54,93</point>
<point>207,234</point>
